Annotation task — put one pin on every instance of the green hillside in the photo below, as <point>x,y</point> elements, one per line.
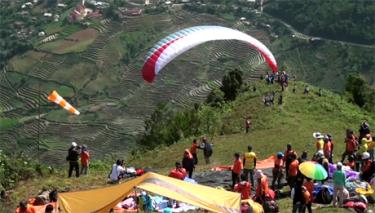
<point>274,127</point>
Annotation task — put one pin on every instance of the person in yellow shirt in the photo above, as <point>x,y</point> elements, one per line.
<point>319,141</point>
<point>249,164</point>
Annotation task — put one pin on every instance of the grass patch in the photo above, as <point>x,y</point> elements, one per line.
<point>75,43</point>
<point>26,61</point>
<point>7,123</point>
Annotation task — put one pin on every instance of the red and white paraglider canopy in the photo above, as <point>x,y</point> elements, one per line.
<point>179,42</point>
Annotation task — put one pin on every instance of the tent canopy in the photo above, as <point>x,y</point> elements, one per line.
<point>102,200</point>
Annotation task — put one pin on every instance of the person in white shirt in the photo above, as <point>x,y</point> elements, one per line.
<point>117,171</point>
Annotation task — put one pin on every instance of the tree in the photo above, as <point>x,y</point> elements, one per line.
<point>232,83</point>
<point>356,87</point>
<point>215,98</point>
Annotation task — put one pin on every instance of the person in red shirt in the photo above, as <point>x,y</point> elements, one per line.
<point>25,208</point>
<point>293,171</point>
<point>193,150</point>
<point>367,167</point>
<point>351,162</point>
<point>277,171</point>
<point>287,159</point>
<point>262,189</point>
<point>243,187</point>
<point>328,148</point>
<point>351,144</point>
<point>178,172</point>
<point>85,156</point>
<point>309,185</point>
<point>236,169</point>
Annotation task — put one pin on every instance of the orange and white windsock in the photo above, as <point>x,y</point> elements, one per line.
<point>56,98</point>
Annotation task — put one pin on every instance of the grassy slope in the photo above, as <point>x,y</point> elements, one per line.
<point>294,123</point>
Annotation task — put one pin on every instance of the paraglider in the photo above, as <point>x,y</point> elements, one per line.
<point>57,99</point>
<point>179,42</point>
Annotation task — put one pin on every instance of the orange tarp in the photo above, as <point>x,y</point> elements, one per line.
<point>261,164</point>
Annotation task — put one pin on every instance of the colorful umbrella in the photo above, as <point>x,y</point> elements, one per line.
<point>313,170</point>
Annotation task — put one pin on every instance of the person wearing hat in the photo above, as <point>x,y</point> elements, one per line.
<point>249,164</point>
<point>367,167</point>
<point>319,144</point>
<point>277,171</point>
<point>262,189</point>
<point>351,144</point>
<point>73,155</point>
<point>339,181</point>
<point>85,156</point>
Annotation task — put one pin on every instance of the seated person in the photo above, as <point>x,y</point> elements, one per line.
<point>117,171</point>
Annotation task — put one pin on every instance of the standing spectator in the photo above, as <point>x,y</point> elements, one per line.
<point>367,167</point>
<point>309,185</point>
<point>73,154</point>
<point>328,149</point>
<point>319,144</point>
<point>193,151</point>
<point>236,169</point>
<point>298,197</point>
<point>307,199</point>
<point>293,171</point>
<point>287,159</point>
<point>277,171</point>
<point>85,156</point>
<point>306,90</point>
<point>351,146</point>
<point>243,187</point>
<point>248,124</point>
<point>188,162</point>
<point>117,172</point>
<point>364,129</point>
<point>303,157</point>
<point>249,164</point>
<point>351,162</point>
<point>207,149</point>
<point>25,208</point>
<point>339,181</point>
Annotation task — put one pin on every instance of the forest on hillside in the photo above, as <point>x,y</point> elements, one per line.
<point>342,20</point>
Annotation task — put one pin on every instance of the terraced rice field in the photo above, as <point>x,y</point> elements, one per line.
<point>110,94</point>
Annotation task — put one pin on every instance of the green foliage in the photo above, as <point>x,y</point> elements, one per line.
<point>215,98</point>
<point>7,123</point>
<point>343,20</point>
<point>17,168</point>
<point>232,83</point>
<point>360,92</point>
<point>167,127</point>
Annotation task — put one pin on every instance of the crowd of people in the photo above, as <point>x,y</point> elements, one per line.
<point>246,179</point>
